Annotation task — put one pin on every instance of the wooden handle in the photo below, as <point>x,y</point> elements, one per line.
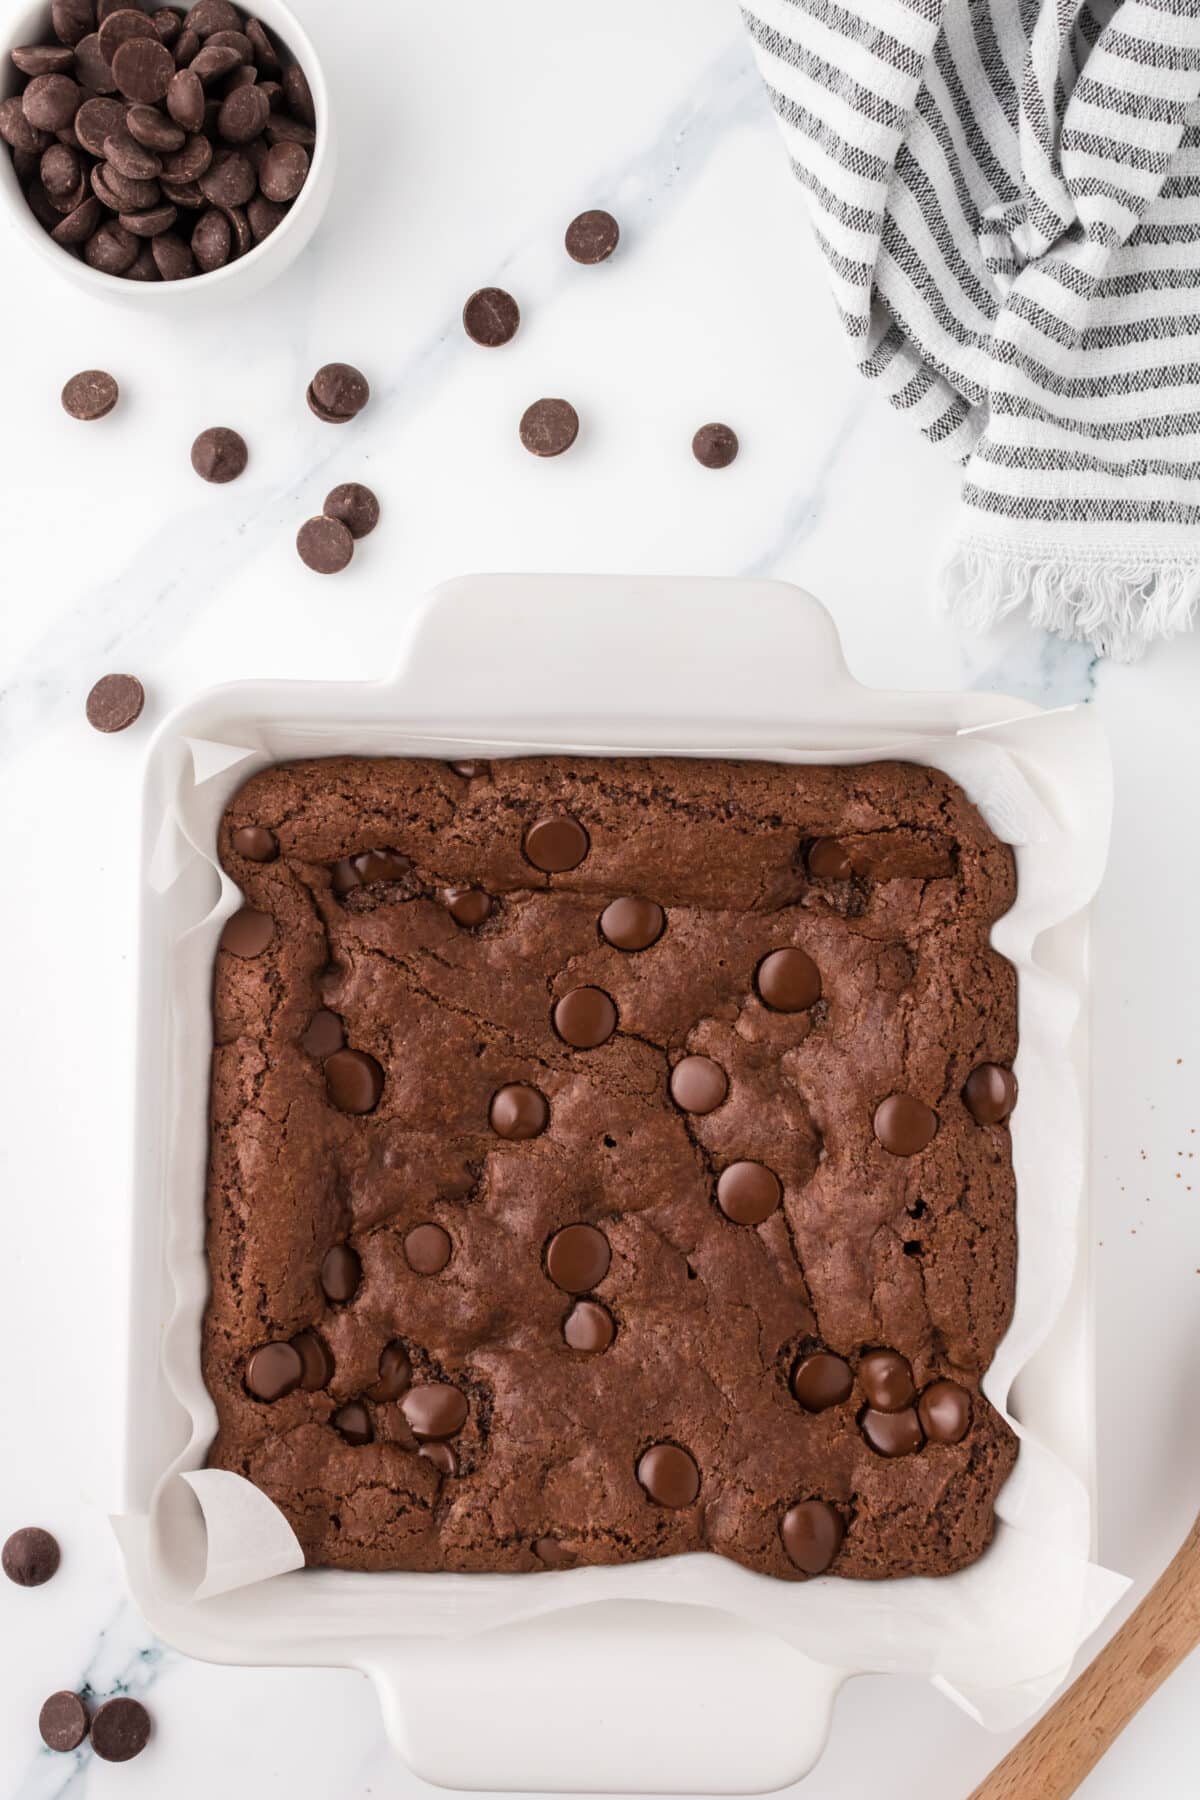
<point>1050,1761</point>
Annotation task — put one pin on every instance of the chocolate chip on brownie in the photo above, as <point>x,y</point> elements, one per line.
<point>92,394</point>
<point>115,702</point>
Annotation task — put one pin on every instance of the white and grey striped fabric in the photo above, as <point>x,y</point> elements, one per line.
<point>1007,196</point>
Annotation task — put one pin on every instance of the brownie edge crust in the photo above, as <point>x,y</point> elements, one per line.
<point>609,1158</point>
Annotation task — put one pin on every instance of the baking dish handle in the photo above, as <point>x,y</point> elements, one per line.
<point>559,1704</point>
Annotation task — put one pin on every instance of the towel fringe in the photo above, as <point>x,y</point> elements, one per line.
<point>1118,606</point>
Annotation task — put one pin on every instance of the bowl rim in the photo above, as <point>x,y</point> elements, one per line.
<point>297,43</point>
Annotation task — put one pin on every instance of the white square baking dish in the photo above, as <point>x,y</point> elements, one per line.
<point>614,665</point>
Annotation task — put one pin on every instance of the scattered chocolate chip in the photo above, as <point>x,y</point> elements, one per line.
<point>556,844</point>
<point>630,924</point>
<point>491,317</point>
<point>990,1094</point>
<point>273,1371</point>
<point>355,506</point>
<point>892,1433</point>
<point>669,1475</point>
<point>341,1272</point>
<point>577,1258</point>
<point>592,237</point>
<point>715,446</point>
<point>549,427</point>
<point>698,1085</point>
<point>427,1249</point>
<point>821,1380</point>
<point>63,1721</point>
<point>353,1081</point>
<point>518,1112</point>
<point>788,981</point>
<point>247,933</point>
<point>219,455</point>
<point>120,1730</point>
<point>828,860</point>
<point>115,702</point>
<point>812,1534</point>
<point>92,394</point>
<point>588,1328</point>
<point>316,1361</point>
<point>353,1421</point>
<point>324,545</point>
<point>467,906</point>
<point>395,1373</point>
<point>886,1379</point>
<point>748,1192</point>
<point>435,1409</point>
<point>30,1556</point>
<point>585,1018</point>
<point>256,843</point>
<point>905,1126</point>
<point>338,391</point>
<point>944,1410</point>
<point>324,1035</point>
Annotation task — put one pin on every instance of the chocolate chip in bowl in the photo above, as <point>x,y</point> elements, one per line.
<point>142,149</point>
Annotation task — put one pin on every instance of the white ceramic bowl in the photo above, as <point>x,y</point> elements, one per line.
<point>31,25</point>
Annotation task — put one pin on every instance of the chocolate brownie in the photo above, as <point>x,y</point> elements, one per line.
<point>609,1158</point>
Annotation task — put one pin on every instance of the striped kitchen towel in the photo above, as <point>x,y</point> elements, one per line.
<point>1007,196</point>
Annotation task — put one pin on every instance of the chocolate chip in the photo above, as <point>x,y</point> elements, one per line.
<point>324,545</point>
<point>821,1380</point>
<point>92,67</point>
<point>111,249</point>
<point>115,702</point>
<point>264,216</point>
<point>213,61</point>
<point>185,100</point>
<point>79,224</point>
<point>266,57</point>
<point>120,26</point>
<point>219,454</point>
<point>92,394</point>
<point>72,19</point>
<point>812,1534</point>
<point>256,843</point>
<point>212,240</point>
<point>143,69</point>
<point>886,1379</point>
<point>468,770</point>
<point>435,1410</point>
<point>129,158</point>
<point>273,1371</point>
<point>441,1456</point>
<point>944,1410</point>
<point>283,130</point>
<point>324,1034</point>
<point>467,906</point>
<point>51,101</point>
<point>233,39</point>
<point>186,48</point>
<point>143,267</point>
<point>892,1433</point>
<point>354,1422</point>
<point>585,1018</point>
<point>353,1081</point>
<point>61,173</point>
<point>577,1258</point>
<point>146,125</point>
<point>788,981</point>
<point>117,191</point>
<point>592,237</point>
<point>904,1125</point>
<point>589,1327</point>
<point>243,115</point>
<point>556,843</point>
<point>172,257</point>
<point>427,1249</point>
<point>549,427</point>
<point>168,23</point>
<point>341,1272</point>
<point>990,1093</point>
<point>30,1556</point>
<point>698,1085</point>
<point>44,59</point>
<point>669,1475</point>
<point>491,317</point>
<point>630,924</point>
<point>299,94</point>
<point>316,1361</point>
<point>715,446</point>
<point>97,120</point>
<point>748,1192</point>
<point>149,224</point>
<point>518,1112</point>
<point>828,860</point>
<point>229,181</point>
<point>247,932</point>
<point>209,16</point>
<point>120,1730</point>
<point>337,391</point>
<point>355,506</point>
<point>395,1373</point>
<point>16,130</point>
<point>283,174</point>
<point>63,1721</point>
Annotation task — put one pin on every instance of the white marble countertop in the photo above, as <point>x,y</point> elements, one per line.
<point>470,135</point>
